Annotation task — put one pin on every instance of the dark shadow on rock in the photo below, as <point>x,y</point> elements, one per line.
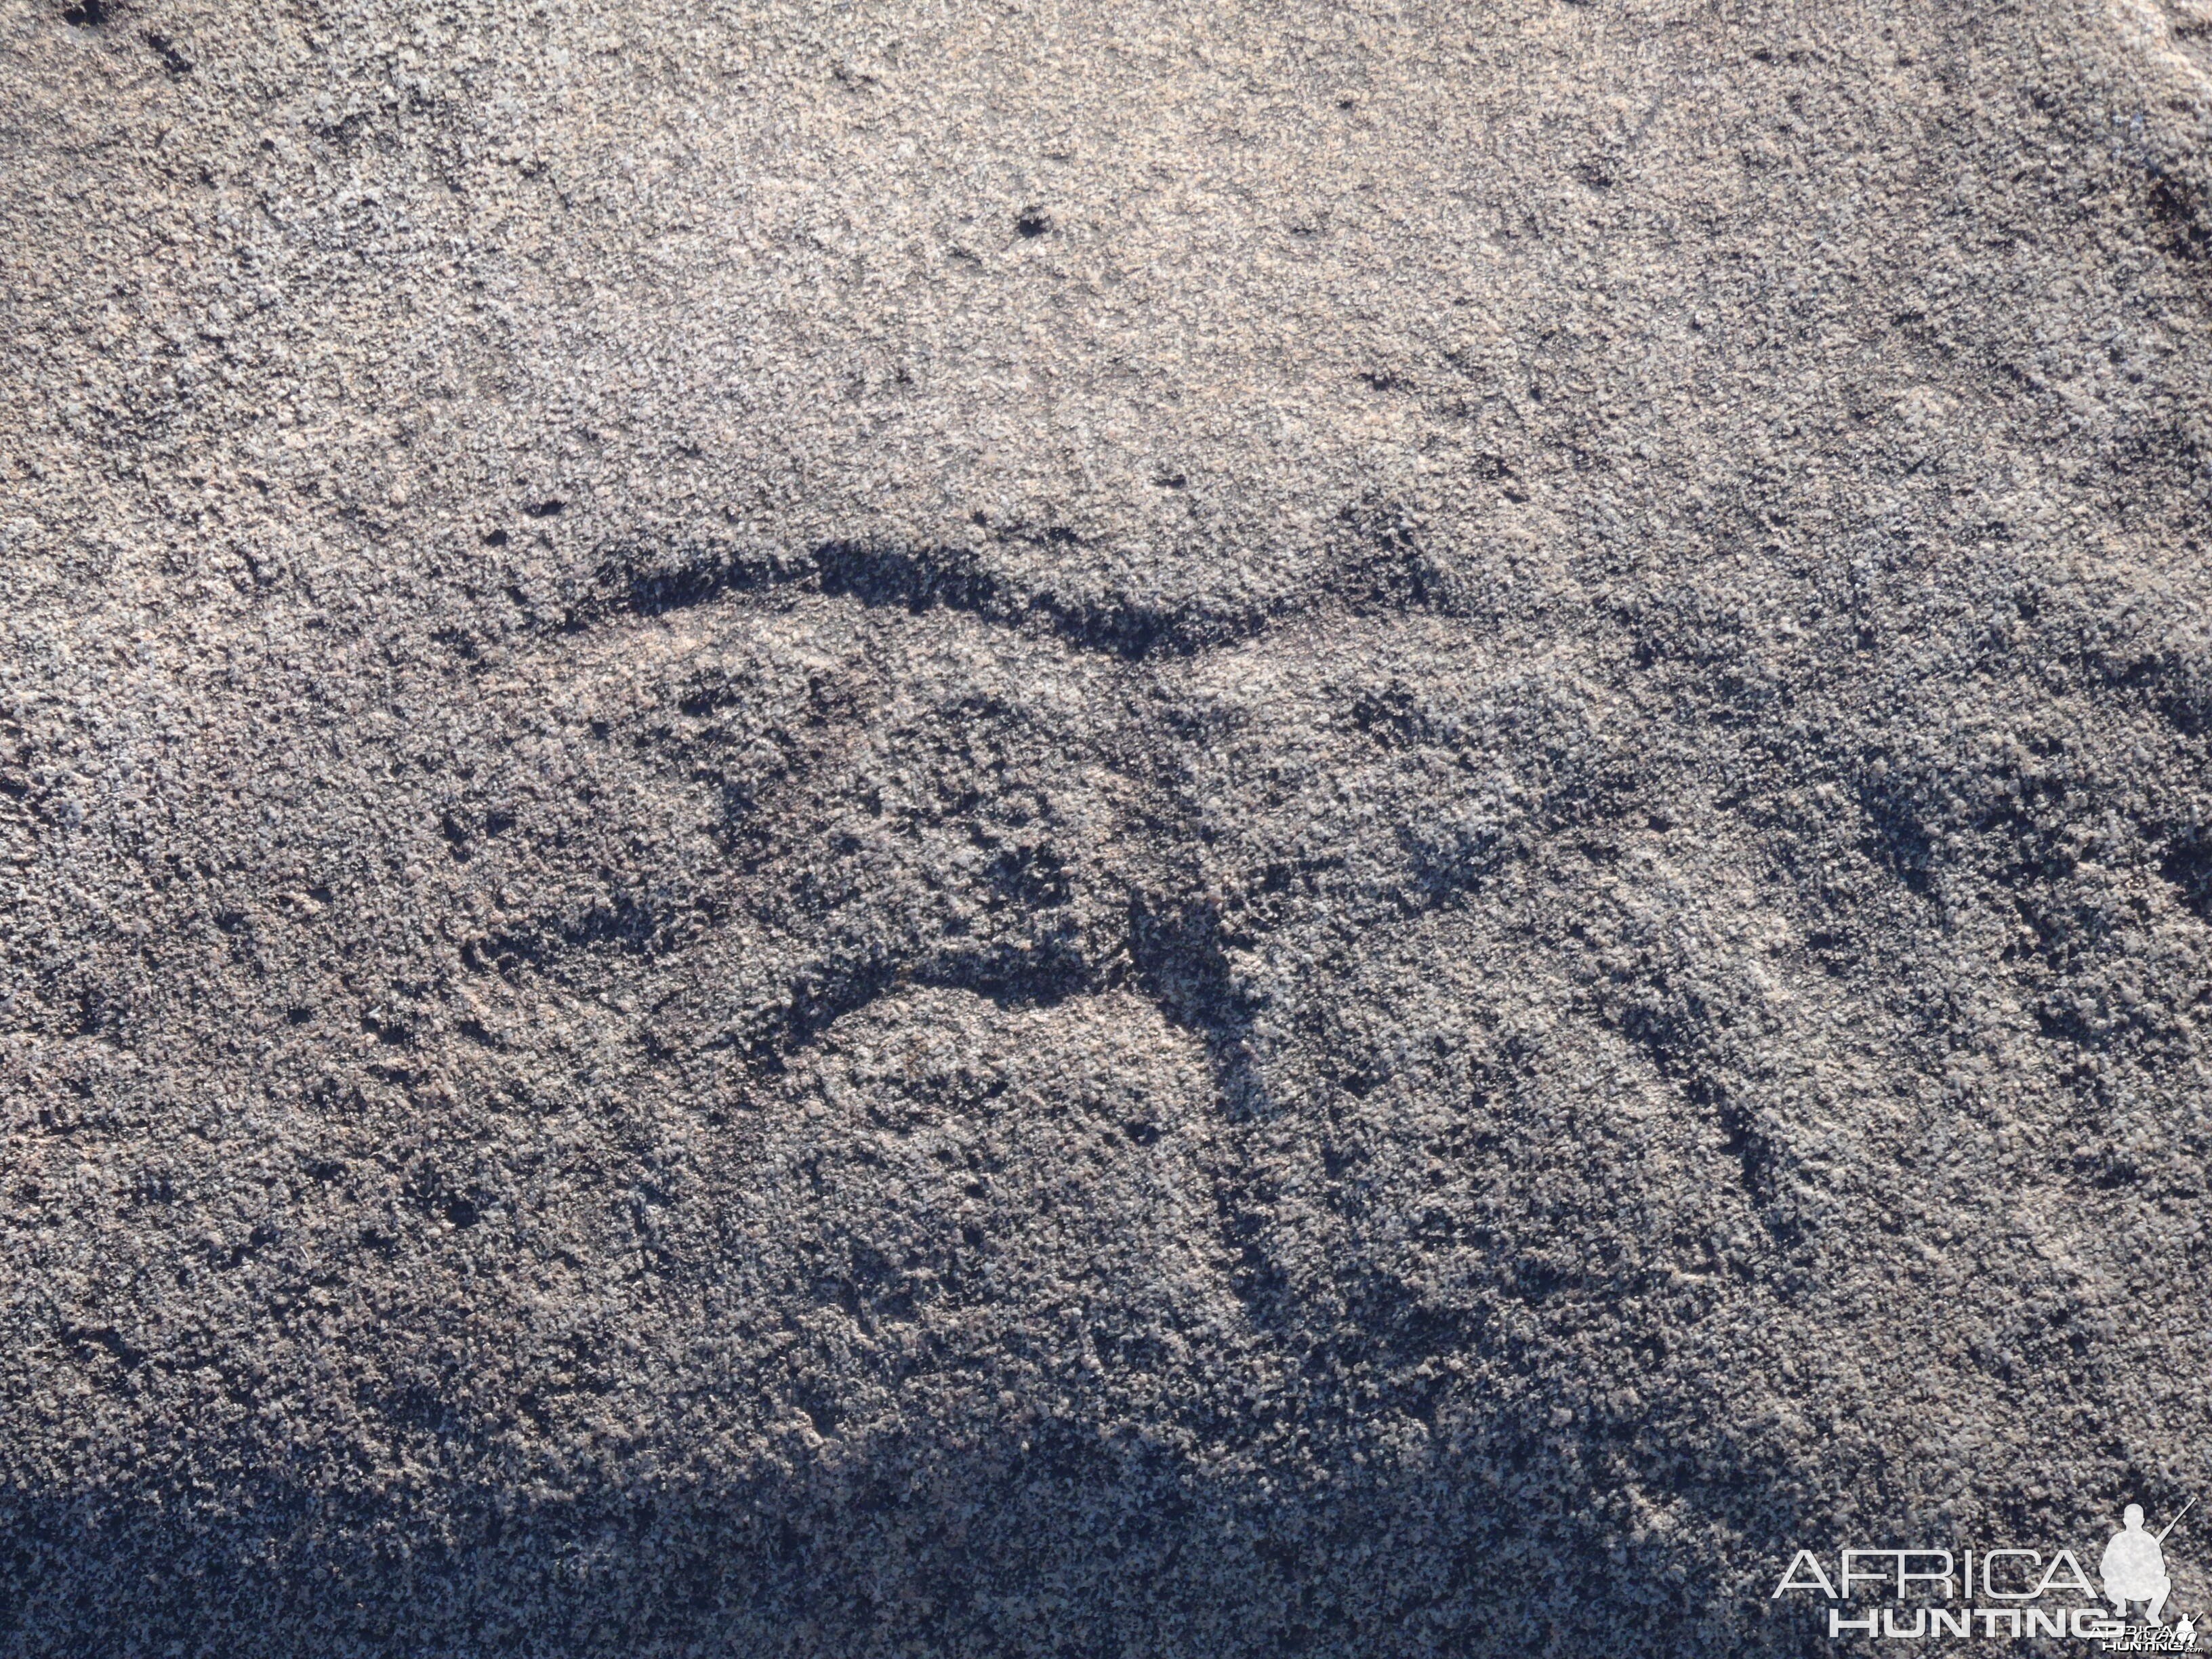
<point>1060,1537</point>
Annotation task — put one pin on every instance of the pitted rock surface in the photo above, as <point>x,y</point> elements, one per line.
<point>1031,829</point>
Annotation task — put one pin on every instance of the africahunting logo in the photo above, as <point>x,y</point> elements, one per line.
<point>2004,1592</point>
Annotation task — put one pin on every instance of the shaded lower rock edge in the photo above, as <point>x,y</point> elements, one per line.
<point>1074,1543</point>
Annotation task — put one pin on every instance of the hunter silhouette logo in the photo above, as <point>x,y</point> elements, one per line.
<point>2008,1592</point>
<point>2133,1568</point>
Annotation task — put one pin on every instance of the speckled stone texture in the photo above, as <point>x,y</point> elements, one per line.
<point>968,830</point>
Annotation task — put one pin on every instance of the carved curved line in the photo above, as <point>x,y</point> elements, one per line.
<point>1393,573</point>
<point>893,575</point>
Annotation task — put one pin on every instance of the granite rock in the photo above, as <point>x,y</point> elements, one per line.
<point>1018,829</point>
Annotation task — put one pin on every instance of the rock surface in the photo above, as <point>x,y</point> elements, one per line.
<point>1024,828</point>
